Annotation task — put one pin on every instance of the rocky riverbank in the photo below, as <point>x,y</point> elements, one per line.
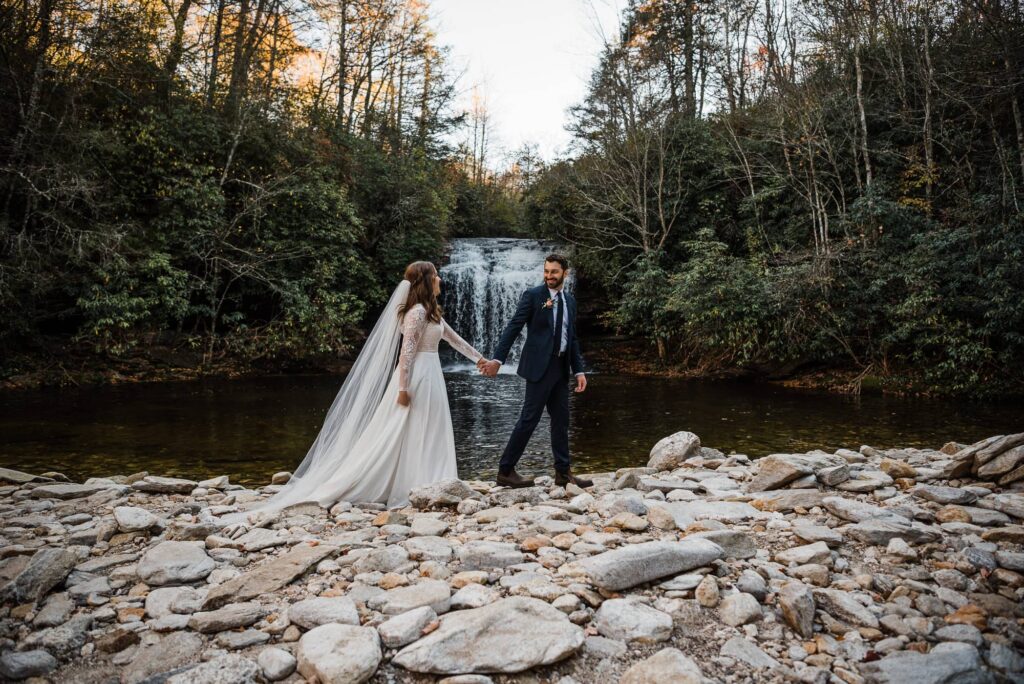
<point>859,566</point>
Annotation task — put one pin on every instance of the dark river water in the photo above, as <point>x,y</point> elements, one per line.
<point>251,428</point>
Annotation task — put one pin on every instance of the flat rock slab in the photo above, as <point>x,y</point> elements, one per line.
<point>428,592</point>
<point>511,635</point>
<point>482,555</point>
<point>638,563</point>
<point>949,662</point>
<point>270,576</point>
<point>74,491</point>
<point>857,511</point>
<point>322,610</point>
<point>734,543</point>
<point>667,665</point>
<point>175,562</point>
<point>1008,503</point>
<point>158,654</point>
<point>686,512</point>
<point>36,577</point>
<point>880,531</point>
<point>842,606</point>
<point>229,668</point>
<point>747,652</point>
<point>19,478</point>
<point>228,617</point>
<point>164,485</point>
<point>786,500</point>
<point>944,495</point>
<point>625,620</point>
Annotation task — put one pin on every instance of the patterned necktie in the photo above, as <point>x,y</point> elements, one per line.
<point>558,322</point>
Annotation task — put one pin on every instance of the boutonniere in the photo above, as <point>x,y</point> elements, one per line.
<point>550,303</point>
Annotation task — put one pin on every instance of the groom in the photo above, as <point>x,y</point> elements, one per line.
<point>550,355</point>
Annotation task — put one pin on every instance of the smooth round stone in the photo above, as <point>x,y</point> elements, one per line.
<point>739,609</point>
<point>322,610</point>
<point>174,562</point>
<point>626,620</point>
<point>276,663</point>
<point>339,653</point>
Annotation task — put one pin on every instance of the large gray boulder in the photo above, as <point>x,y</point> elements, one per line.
<point>670,452</point>
<point>626,620</point>
<point>175,562</point>
<point>511,635</point>
<point>339,654</point>
<point>34,577</point>
<point>441,493</point>
<point>946,663</point>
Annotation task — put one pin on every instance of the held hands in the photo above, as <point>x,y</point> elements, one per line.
<point>488,368</point>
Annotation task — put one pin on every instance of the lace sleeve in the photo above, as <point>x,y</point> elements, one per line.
<point>458,344</point>
<point>413,325</point>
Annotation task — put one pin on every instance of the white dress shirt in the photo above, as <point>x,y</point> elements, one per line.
<point>565,319</point>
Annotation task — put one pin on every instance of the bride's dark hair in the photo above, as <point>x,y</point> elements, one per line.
<point>420,275</point>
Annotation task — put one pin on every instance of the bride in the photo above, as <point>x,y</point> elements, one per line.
<point>389,429</point>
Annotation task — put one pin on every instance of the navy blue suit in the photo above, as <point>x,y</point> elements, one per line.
<point>546,373</point>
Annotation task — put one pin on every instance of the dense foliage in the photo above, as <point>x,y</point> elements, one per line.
<point>823,186</point>
<point>245,179</point>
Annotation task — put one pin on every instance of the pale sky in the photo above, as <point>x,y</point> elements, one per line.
<point>532,59</point>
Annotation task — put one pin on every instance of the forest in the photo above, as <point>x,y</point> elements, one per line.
<point>825,184</point>
<point>776,186</point>
<point>241,181</point>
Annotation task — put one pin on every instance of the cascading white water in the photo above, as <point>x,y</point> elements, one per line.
<point>483,280</point>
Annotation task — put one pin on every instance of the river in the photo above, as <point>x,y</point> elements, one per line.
<point>250,428</point>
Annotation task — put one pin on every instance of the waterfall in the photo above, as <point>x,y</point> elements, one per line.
<point>482,283</point>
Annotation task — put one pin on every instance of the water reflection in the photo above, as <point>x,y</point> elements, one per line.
<point>251,428</point>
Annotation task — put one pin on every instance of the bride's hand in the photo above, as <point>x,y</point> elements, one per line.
<point>403,398</point>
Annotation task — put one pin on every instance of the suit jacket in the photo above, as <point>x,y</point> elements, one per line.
<point>540,334</point>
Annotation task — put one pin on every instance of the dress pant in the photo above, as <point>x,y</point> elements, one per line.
<point>551,392</point>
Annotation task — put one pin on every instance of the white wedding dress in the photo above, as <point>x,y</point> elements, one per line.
<point>371,448</point>
<point>404,447</point>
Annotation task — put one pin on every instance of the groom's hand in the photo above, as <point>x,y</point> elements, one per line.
<point>490,369</point>
<point>581,382</point>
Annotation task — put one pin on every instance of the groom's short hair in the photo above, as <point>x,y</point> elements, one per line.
<point>562,261</point>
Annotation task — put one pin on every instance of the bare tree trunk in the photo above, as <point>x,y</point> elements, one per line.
<point>342,63</point>
<point>863,116</point>
<point>928,141</point>
<point>425,99</point>
<point>176,49</point>
<point>215,56</point>
<point>1015,106</point>
<point>237,62</point>
<point>688,56</point>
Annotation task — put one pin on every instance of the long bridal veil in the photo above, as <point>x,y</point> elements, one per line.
<point>351,410</point>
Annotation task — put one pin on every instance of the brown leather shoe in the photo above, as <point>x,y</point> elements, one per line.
<point>562,479</point>
<point>513,479</point>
